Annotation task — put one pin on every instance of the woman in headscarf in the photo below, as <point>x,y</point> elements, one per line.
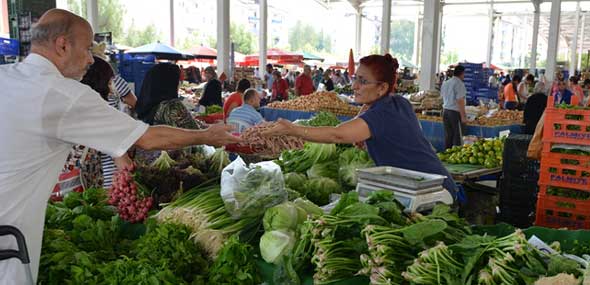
<point>212,90</point>
<point>159,103</point>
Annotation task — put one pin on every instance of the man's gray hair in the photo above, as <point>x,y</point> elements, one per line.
<point>44,33</point>
<point>250,92</point>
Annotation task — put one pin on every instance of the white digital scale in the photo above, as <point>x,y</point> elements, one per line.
<point>416,191</point>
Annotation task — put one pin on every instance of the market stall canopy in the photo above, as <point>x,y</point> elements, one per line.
<point>207,54</point>
<point>309,56</point>
<point>202,52</point>
<point>495,67</point>
<point>161,51</point>
<point>276,55</point>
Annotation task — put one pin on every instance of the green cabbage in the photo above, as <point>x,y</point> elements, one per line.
<point>283,216</point>
<point>318,190</point>
<point>309,207</point>
<point>295,180</point>
<point>276,244</point>
<point>350,160</point>
<point>319,152</point>
<point>326,169</point>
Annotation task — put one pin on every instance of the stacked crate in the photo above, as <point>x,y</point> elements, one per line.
<point>246,73</point>
<point>518,185</point>
<point>476,83</point>
<point>564,183</point>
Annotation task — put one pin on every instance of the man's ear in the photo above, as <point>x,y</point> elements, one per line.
<point>61,46</point>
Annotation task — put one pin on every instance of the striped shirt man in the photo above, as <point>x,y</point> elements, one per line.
<point>244,117</point>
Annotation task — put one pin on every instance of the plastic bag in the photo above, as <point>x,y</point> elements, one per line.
<point>536,145</point>
<point>247,191</point>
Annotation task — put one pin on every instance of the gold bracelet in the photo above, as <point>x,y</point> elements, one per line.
<point>305,131</point>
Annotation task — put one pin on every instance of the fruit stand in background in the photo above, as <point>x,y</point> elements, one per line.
<point>564,184</point>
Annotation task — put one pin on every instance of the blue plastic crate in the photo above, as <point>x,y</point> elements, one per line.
<point>9,47</point>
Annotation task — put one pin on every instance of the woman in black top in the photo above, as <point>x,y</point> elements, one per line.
<point>327,81</point>
<point>212,90</point>
<point>534,108</point>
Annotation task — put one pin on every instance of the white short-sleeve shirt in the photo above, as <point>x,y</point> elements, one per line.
<point>452,90</point>
<point>42,115</point>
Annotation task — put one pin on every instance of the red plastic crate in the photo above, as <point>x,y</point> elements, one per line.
<point>565,175</point>
<point>561,212</point>
<point>559,158</point>
<point>559,125</point>
<point>212,118</point>
<point>237,148</point>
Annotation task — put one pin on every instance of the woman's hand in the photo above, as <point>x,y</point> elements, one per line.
<point>280,128</point>
<point>123,162</point>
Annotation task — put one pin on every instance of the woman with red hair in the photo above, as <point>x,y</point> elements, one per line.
<point>388,126</point>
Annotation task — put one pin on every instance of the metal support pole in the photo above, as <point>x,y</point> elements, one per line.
<point>553,41</point>
<point>223,37</point>
<point>386,26</point>
<point>430,44</point>
<point>92,14</point>
<point>359,31</point>
<point>172,23</point>
<point>574,46</point>
<point>581,48</point>
<point>417,37</point>
<point>490,34</point>
<point>262,37</point>
<point>536,20</point>
<point>439,39</point>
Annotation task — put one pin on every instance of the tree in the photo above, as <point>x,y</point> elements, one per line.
<point>402,39</point>
<point>243,39</point>
<point>138,37</point>
<point>111,12</point>
<point>192,40</point>
<point>305,37</point>
<point>449,57</point>
<point>376,49</point>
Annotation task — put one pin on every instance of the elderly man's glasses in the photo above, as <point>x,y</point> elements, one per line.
<point>363,81</point>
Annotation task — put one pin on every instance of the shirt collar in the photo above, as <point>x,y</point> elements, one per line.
<point>248,106</point>
<point>42,62</point>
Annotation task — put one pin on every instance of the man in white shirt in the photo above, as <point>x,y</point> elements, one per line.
<point>45,111</point>
<point>493,81</point>
<point>454,117</point>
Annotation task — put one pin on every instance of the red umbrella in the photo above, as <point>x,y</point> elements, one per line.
<point>350,63</point>
<point>202,52</point>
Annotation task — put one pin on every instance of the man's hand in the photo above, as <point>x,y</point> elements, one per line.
<point>279,128</point>
<point>218,135</point>
<point>464,119</point>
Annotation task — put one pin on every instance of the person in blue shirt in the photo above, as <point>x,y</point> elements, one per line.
<point>388,126</point>
<point>563,94</point>
<point>246,116</point>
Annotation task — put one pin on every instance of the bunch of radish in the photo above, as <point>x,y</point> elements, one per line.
<point>133,201</point>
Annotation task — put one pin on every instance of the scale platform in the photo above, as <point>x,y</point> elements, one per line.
<point>416,191</point>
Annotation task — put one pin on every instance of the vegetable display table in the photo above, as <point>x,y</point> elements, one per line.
<point>464,172</point>
<point>270,114</point>
<point>435,134</point>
